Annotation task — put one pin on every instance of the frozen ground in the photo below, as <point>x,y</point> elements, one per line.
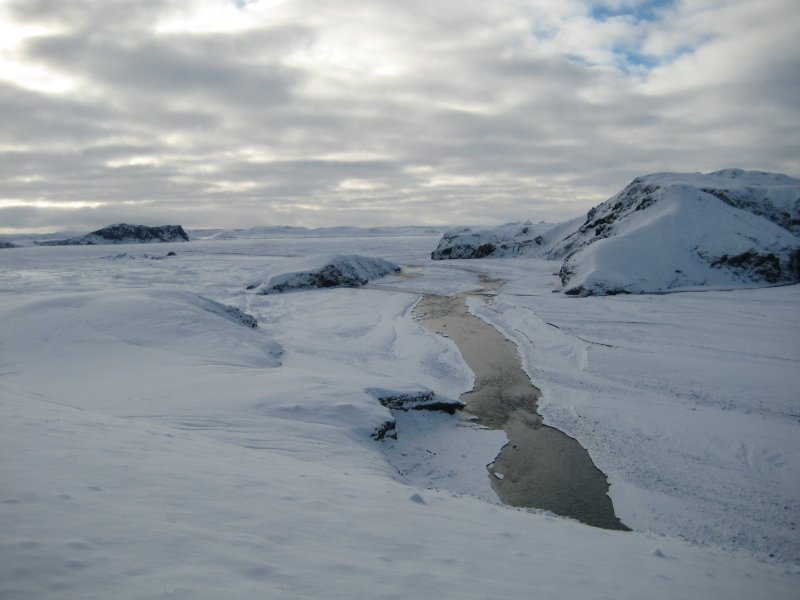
<point>154,446</point>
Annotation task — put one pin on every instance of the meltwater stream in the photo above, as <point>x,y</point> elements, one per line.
<point>540,467</point>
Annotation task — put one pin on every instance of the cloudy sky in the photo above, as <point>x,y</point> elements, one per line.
<point>384,112</point>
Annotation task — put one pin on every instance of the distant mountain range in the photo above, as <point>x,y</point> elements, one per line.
<point>273,231</point>
<point>665,231</point>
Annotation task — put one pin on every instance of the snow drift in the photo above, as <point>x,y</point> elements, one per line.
<point>115,329</point>
<point>123,233</point>
<point>321,272</point>
<point>666,231</point>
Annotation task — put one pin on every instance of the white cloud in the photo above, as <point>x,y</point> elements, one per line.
<point>215,112</point>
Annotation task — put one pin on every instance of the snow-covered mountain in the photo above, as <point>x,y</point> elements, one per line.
<point>123,233</point>
<point>665,231</point>
<point>322,272</point>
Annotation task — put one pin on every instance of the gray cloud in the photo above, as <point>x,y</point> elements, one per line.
<point>388,113</point>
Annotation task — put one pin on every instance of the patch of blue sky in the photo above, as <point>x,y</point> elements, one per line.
<point>642,10</point>
<point>631,57</point>
<point>626,59</point>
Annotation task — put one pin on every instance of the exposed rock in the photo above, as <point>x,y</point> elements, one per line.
<point>420,401</point>
<point>123,233</point>
<point>405,401</point>
<point>513,239</point>
<point>388,429</point>
<point>666,231</point>
<point>686,231</point>
<point>5,244</point>
<point>336,271</point>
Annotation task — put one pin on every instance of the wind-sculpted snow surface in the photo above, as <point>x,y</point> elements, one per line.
<point>325,272</point>
<point>667,231</point>
<point>123,233</point>
<point>118,328</point>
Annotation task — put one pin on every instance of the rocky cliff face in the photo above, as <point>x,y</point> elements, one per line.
<point>124,233</point>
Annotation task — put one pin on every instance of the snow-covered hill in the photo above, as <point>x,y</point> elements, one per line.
<point>666,231</point>
<point>323,272</point>
<point>513,239</point>
<point>123,233</point>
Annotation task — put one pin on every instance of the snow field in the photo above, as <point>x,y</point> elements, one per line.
<point>153,447</point>
<point>106,507</point>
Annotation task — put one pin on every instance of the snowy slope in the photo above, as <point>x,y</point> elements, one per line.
<point>679,231</point>
<point>666,231</point>
<point>326,271</point>
<point>124,233</point>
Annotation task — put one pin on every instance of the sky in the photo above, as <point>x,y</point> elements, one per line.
<point>236,113</point>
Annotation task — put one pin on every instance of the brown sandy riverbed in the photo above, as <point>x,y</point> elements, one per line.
<point>540,467</point>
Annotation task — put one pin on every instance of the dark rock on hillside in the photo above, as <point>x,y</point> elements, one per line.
<point>665,231</point>
<point>420,401</point>
<point>405,401</point>
<point>124,233</point>
<point>5,244</point>
<point>682,231</point>
<point>336,271</point>
<point>514,239</point>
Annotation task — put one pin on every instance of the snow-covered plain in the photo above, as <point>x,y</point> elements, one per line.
<point>155,446</point>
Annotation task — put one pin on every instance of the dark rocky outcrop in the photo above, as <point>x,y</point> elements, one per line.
<point>513,239</point>
<point>336,271</point>
<point>405,401</point>
<point>665,231</point>
<point>420,401</point>
<point>124,233</point>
